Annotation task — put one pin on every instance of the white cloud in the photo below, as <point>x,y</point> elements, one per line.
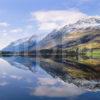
<point>47,81</point>
<point>47,26</point>
<point>61,91</point>
<point>16,77</point>
<point>47,87</point>
<point>18,30</point>
<point>3,83</point>
<point>4,24</point>
<point>9,34</point>
<point>48,20</point>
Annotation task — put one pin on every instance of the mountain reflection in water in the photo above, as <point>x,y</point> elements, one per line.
<point>51,79</point>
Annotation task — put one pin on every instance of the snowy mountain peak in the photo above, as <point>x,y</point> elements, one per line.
<point>83,23</point>
<point>15,43</point>
<point>89,20</point>
<point>22,44</point>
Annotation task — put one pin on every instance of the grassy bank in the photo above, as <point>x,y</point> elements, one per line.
<point>94,54</point>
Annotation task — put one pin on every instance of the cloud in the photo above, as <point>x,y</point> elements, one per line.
<point>10,34</point>
<point>47,81</point>
<point>48,20</point>
<point>53,91</point>
<point>48,26</point>
<point>3,83</point>
<point>55,88</point>
<point>16,77</point>
<point>18,30</point>
<point>4,24</point>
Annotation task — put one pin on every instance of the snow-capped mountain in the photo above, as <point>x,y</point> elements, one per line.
<point>83,23</point>
<point>66,33</point>
<point>83,29</point>
<point>24,44</point>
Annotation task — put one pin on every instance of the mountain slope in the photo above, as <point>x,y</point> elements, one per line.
<point>79,32</point>
<point>83,36</point>
<point>86,30</point>
<point>21,45</point>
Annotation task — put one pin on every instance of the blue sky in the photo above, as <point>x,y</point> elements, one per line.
<point>23,18</point>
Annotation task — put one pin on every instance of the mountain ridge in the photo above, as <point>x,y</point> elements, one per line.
<point>72,33</point>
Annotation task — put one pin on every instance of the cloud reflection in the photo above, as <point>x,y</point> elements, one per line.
<point>3,83</point>
<point>55,88</point>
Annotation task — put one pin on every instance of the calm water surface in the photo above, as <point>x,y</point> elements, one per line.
<point>24,78</point>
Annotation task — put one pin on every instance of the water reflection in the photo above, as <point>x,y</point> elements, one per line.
<point>51,79</point>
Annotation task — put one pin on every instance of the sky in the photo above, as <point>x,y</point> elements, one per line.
<point>24,18</point>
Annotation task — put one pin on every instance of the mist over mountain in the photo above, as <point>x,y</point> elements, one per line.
<point>83,31</point>
<point>72,33</point>
<point>20,45</point>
